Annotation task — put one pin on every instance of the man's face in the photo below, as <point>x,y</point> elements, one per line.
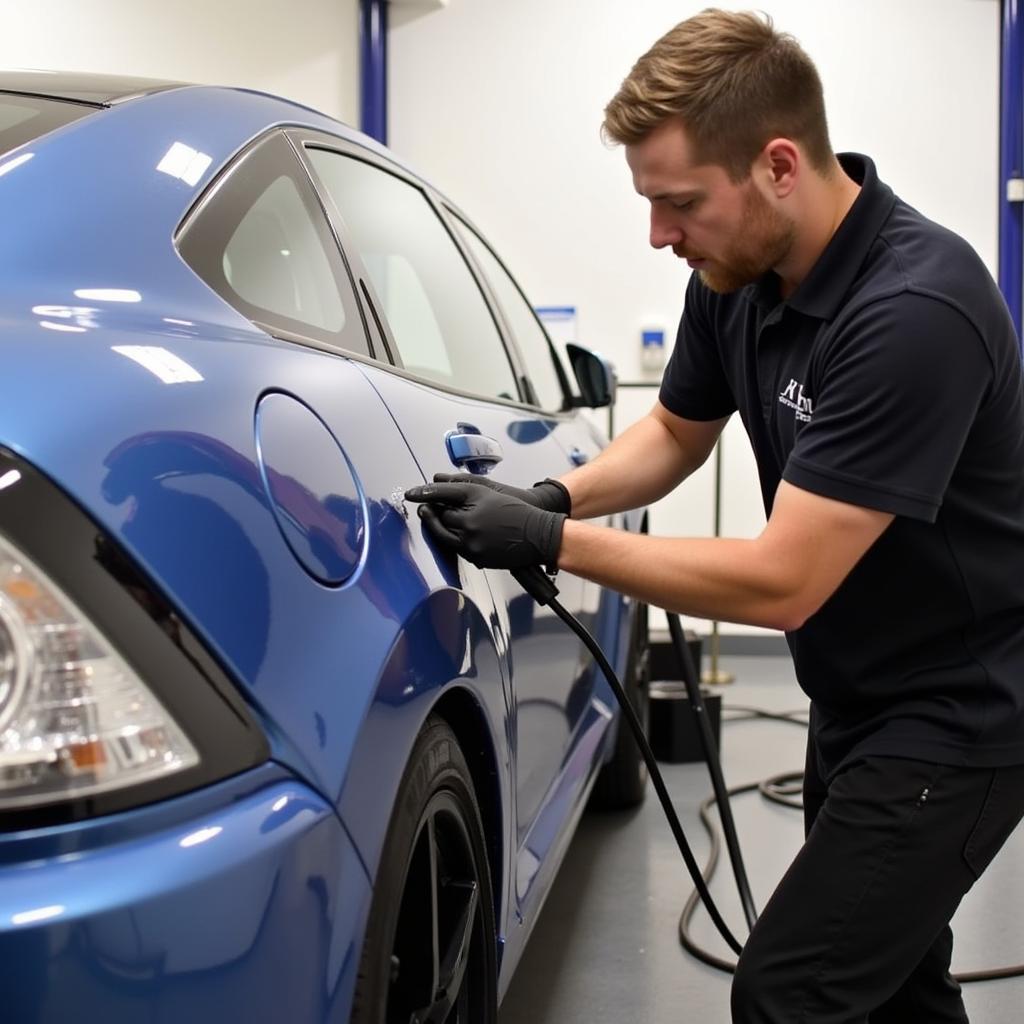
<point>730,234</point>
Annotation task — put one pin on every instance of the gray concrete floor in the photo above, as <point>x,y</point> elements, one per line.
<point>606,951</point>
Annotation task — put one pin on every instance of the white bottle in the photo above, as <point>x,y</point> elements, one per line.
<point>652,351</point>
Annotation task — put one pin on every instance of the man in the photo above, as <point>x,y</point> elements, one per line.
<point>876,370</point>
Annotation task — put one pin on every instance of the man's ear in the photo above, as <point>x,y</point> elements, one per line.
<point>780,162</point>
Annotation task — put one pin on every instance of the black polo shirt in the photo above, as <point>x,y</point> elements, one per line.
<point>890,379</point>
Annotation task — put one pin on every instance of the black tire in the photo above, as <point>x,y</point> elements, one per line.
<point>622,782</point>
<point>434,855</point>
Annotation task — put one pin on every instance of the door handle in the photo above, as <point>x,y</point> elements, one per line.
<point>470,450</point>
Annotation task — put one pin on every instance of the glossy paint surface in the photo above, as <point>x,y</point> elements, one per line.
<point>258,484</point>
<point>194,915</point>
<point>309,482</point>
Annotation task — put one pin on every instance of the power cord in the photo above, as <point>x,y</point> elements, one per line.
<point>544,592</point>
<point>784,788</point>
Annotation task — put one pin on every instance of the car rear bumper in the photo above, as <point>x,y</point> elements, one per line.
<point>244,902</point>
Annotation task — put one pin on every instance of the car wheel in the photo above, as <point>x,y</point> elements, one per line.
<point>622,782</point>
<point>429,952</point>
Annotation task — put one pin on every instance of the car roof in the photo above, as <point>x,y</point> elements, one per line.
<point>81,86</point>
<point>99,89</point>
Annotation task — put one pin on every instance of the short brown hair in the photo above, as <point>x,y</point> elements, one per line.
<point>734,82</point>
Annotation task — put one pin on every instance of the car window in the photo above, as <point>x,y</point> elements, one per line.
<point>529,334</point>
<point>262,242</point>
<point>440,321</point>
<point>26,118</point>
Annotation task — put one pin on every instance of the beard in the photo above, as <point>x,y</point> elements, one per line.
<point>767,237</point>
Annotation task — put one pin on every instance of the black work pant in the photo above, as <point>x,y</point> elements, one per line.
<point>858,929</point>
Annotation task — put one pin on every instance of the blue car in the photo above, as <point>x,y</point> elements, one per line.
<point>267,753</point>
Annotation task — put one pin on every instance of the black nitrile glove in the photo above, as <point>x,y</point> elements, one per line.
<point>489,528</point>
<point>548,494</point>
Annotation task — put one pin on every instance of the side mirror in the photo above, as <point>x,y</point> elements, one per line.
<point>595,376</point>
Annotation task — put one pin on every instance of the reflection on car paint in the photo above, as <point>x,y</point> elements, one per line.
<point>312,488</point>
<point>531,431</point>
<point>178,474</point>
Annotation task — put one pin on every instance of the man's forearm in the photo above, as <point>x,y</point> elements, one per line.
<point>727,579</point>
<point>640,466</point>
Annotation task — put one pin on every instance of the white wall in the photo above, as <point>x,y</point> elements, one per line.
<point>500,104</point>
<point>306,50</point>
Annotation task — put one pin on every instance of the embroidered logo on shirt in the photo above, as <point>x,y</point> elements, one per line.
<point>792,396</point>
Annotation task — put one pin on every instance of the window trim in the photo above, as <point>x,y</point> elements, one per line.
<point>449,389</point>
<point>318,142</point>
<point>443,208</point>
<point>515,357</point>
<point>354,327</point>
<point>366,295</point>
<point>563,380</point>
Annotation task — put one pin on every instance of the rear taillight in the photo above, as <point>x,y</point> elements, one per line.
<point>74,718</point>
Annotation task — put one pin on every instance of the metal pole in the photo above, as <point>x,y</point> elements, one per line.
<point>1011,162</point>
<point>714,675</point>
<point>373,68</point>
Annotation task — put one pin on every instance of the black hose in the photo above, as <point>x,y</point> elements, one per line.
<point>629,714</point>
<point>690,906</point>
<point>714,764</point>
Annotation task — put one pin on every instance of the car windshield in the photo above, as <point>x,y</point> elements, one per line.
<point>24,118</point>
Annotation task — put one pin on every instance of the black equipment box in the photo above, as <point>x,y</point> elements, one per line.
<point>673,727</point>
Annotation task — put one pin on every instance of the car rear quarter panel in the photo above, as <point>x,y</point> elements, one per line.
<point>189,906</point>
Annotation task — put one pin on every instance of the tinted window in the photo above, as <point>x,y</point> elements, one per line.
<point>25,118</point>
<point>262,242</point>
<point>529,334</point>
<point>441,324</point>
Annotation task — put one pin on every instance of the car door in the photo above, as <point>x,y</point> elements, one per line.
<point>464,403</point>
